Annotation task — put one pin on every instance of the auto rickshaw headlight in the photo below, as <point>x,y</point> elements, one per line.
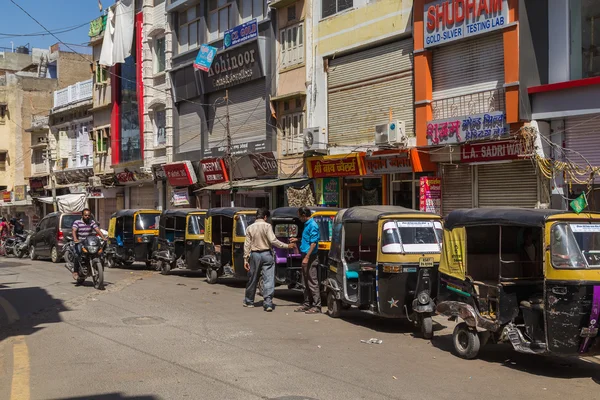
<point>423,297</point>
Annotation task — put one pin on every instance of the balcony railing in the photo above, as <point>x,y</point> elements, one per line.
<point>80,91</point>
<point>469,104</point>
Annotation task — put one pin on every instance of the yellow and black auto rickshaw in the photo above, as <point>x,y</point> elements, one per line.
<point>131,235</point>
<point>180,242</point>
<point>286,225</point>
<point>383,260</point>
<point>225,234</point>
<point>521,276</point>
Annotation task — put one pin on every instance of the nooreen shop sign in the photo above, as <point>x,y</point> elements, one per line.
<point>450,20</point>
<point>232,67</point>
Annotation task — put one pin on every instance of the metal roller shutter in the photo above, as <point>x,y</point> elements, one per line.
<point>512,185</point>
<point>583,136</point>
<point>106,208</point>
<point>467,67</point>
<point>247,115</point>
<point>190,128</point>
<point>362,89</point>
<point>457,187</point>
<point>143,197</point>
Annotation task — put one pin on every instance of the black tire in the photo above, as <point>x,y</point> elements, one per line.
<point>110,262</point>
<point>426,323</point>
<point>212,276</point>
<point>148,264</point>
<point>32,253</point>
<point>334,306</point>
<point>466,341</point>
<point>99,278</point>
<point>165,268</point>
<point>54,256</point>
<point>128,263</point>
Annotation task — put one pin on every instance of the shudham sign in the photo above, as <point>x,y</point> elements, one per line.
<point>468,128</point>
<point>494,151</point>
<point>450,20</point>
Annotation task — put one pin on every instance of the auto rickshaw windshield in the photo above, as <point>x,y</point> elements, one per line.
<point>243,222</point>
<point>147,221</point>
<point>575,246</point>
<point>286,230</point>
<point>196,225</point>
<point>325,223</point>
<point>403,236</point>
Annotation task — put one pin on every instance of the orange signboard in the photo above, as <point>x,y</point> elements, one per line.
<point>338,165</point>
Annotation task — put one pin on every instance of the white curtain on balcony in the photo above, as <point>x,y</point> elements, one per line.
<point>118,35</point>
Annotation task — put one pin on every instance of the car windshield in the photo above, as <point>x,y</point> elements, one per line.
<point>196,225</point>
<point>147,221</point>
<point>411,237</point>
<point>575,245</point>
<point>325,223</point>
<point>243,222</point>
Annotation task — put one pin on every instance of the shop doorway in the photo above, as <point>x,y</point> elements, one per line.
<point>362,192</point>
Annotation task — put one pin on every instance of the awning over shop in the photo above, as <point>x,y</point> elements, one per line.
<point>67,202</point>
<point>253,184</point>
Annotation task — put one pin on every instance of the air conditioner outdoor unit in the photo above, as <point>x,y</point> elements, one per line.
<point>390,134</point>
<point>95,181</point>
<point>315,139</point>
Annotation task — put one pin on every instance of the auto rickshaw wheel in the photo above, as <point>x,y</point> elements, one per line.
<point>165,268</point>
<point>334,306</point>
<point>109,262</point>
<point>212,276</point>
<point>148,264</point>
<point>466,341</point>
<point>128,263</point>
<point>426,323</point>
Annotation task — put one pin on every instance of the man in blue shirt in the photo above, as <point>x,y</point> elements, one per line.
<point>309,250</point>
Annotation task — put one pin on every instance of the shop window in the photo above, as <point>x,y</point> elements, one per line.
<point>102,138</point>
<point>101,74</point>
<point>291,43</point>
<point>291,133</point>
<point>160,123</point>
<point>253,9</point>
<point>585,36</point>
<point>189,29</point>
<point>3,161</point>
<point>220,18</point>
<point>331,7</point>
<point>159,55</point>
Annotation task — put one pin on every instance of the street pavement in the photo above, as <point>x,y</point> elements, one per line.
<point>149,336</point>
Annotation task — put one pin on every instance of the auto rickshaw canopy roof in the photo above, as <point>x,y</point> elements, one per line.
<point>374,213</point>
<point>292,212</point>
<point>131,212</point>
<point>501,216</point>
<point>181,212</point>
<point>227,211</point>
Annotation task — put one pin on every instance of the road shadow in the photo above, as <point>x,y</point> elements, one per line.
<point>111,396</point>
<point>541,365</point>
<point>22,310</point>
<point>384,325</point>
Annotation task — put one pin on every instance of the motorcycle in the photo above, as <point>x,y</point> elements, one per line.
<point>91,261</point>
<point>17,244</point>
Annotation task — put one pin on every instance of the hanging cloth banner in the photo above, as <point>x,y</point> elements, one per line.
<point>118,35</point>
<point>205,57</point>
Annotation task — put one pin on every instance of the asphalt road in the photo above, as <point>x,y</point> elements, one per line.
<point>150,337</point>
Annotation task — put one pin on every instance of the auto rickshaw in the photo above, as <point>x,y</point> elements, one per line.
<point>131,236</point>
<point>224,237</point>
<point>286,225</point>
<point>527,277</point>
<point>180,242</point>
<point>383,260</point>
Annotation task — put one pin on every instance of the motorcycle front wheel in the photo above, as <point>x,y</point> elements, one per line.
<point>98,278</point>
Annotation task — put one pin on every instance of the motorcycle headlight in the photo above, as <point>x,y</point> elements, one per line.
<point>423,298</point>
<point>93,249</point>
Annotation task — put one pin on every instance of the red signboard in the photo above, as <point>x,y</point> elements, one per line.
<point>388,162</point>
<point>214,170</point>
<point>180,174</point>
<point>430,194</point>
<point>491,151</point>
<point>6,197</point>
<point>326,166</point>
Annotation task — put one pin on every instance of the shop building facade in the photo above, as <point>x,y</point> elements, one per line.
<point>468,92</point>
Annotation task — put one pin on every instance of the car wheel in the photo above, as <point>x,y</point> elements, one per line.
<point>32,253</point>
<point>466,341</point>
<point>54,256</point>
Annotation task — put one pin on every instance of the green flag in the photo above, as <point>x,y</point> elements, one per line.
<point>579,204</point>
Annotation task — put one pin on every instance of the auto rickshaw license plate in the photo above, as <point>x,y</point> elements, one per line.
<point>426,262</point>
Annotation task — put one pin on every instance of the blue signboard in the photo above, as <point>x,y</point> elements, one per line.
<point>205,57</point>
<point>241,34</point>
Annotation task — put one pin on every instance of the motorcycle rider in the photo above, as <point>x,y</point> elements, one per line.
<point>17,226</point>
<point>82,228</point>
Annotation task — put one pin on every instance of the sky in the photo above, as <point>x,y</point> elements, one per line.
<point>56,15</point>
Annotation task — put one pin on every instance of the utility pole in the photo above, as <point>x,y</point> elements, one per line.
<point>229,163</point>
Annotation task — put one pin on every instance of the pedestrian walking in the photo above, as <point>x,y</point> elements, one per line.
<point>309,250</point>
<point>258,256</point>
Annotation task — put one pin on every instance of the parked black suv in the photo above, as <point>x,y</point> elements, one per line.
<point>48,239</point>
